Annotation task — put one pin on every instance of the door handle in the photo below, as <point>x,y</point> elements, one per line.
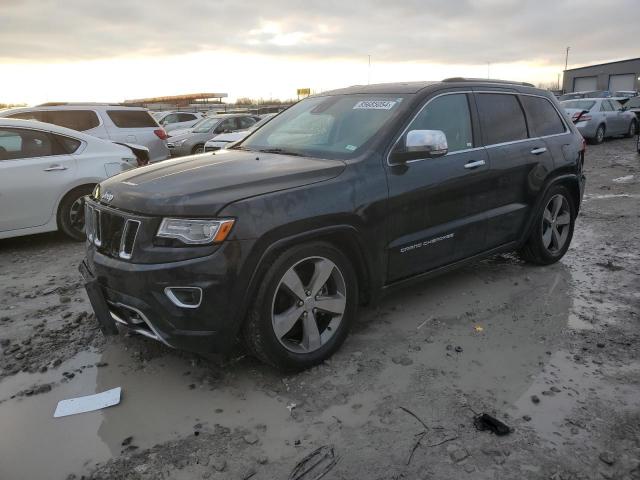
<point>538,151</point>
<point>53,168</point>
<point>476,164</point>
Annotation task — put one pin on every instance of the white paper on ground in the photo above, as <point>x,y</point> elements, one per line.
<point>88,403</point>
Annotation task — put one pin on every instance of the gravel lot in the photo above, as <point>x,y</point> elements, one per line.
<point>554,352</point>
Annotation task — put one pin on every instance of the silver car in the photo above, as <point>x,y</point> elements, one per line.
<point>599,118</point>
<point>192,142</point>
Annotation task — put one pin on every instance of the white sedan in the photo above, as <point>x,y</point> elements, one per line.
<point>45,172</point>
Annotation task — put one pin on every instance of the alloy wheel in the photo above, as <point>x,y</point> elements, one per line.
<point>556,224</point>
<point>600,135</point>
<point>308,305</point>
<point>76,215</point>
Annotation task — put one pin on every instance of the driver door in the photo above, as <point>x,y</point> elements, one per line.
<point>437,205</point>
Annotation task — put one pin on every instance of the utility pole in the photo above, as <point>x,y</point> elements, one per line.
<point>369,71</point>
<point>566,64</point>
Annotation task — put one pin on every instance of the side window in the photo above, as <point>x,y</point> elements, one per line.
<point>185,117</point>
<point>245,122</point>
<point>16,143</point>
<point>39,116</point>
<point>68,144</point>
<point>450,114</point>
<point>228,124</point>
<point>171,118</point>
<point>605,106</point>
<point>543,117</point>
<point>132,118</point>
<point>501,117</point>
<point>80,120</point>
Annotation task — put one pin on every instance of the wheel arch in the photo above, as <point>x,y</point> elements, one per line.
<point>85,184</point>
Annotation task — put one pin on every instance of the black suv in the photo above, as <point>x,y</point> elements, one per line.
<point>333,202</point>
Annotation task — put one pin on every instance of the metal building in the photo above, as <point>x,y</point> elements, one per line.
<point>612,76</point>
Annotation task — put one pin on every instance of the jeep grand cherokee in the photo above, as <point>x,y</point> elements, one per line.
<point>342,197</point>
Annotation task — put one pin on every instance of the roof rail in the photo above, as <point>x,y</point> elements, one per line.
<point>486,80</point>
<point>61,104</point>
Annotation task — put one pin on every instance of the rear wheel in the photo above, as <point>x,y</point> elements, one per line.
<point>71,212</point>
<point>553,228</point>
<point>599,137</point>
<point>198,149</point>
<point>633,128</point>
<point>304,307</point>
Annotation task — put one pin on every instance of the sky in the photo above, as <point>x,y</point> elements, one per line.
<point>112,50</point>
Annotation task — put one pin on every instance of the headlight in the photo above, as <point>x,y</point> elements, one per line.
<point>179,143</point>
<point>96,192</point>
<point>195,232</point>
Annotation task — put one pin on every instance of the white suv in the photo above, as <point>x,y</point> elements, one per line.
<point>110,122</point>
<point>45,173</point>
<point>174,120</point>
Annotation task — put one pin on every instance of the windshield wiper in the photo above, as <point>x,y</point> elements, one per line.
<point>280,151</point>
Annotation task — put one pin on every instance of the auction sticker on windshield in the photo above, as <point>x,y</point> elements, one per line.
<point>374,105</point>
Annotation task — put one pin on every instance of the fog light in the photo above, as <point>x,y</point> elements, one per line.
<point>184,297</point>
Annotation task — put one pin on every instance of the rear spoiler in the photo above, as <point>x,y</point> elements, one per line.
<point>140,151</point>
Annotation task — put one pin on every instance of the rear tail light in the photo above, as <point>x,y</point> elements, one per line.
<point>582,118</point>
<point>161,134</point>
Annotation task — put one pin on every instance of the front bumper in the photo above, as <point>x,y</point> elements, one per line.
<point>135,297</point>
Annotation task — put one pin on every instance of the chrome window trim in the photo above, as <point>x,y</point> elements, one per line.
<point>493,145</point>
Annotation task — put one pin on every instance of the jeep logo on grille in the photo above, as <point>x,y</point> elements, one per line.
<point>106,197</point>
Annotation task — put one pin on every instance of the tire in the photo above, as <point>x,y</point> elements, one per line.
<point>544,247</point>
<point>296,345</point>
<point>599,136</point>
<point>71,213</point>
<point>633,128</point>
<point>197,149</point>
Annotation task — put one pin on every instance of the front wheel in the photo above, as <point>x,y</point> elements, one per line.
<point>71,213</point>
<point>304,307</point>
<point>553,228</point>
<point>198,149</point>
<point>633,128</point>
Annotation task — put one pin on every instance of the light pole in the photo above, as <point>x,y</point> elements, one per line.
<point>566,63</point>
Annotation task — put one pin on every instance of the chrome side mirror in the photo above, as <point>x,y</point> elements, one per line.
<point>419,144</point>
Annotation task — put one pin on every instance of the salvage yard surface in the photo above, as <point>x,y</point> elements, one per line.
<point>553,352</point>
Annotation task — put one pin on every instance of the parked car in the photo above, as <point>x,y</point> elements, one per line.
<point>46,170</point>
<point>626,93</point>
<point>193,142</point>
<point>174,120</point>
<point>339,199</point>
<point>586,94</point>
<point>599,118</point>
<point>109,122</point>
<point>633,105</point>
<point>225,139</point>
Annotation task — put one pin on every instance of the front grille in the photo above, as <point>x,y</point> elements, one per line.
<point>113,234</point>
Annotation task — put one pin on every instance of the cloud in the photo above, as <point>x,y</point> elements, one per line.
<point>450,32</point>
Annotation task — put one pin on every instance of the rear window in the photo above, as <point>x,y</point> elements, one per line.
<point>68,144</point>
<point>543,117</point>
<point>131,118</point>
<point>579,104</point>
<point>502,118</point>
<point>80,120</point>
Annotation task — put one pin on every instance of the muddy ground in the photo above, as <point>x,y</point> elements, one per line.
<point>554,352</point>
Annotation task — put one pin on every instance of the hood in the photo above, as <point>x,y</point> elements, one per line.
<point>180,132</point>
<point>201,185</point>
<point>230,137</point>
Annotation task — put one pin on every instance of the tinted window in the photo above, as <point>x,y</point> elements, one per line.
<point>245,122</point>
<point>616,105</point>
<point>543,117</point>
<point>18,143</point>
<point>605,106</point>
<point>171,118</point>
<point>79,120</point>
<point>131,119</point>
<point>68,144</point>
<point>186,117</point>
<point>29,116</point>
<point>450,114</point>
<point>502,118</point>
<point>227,125</point>
<point>634,102</point>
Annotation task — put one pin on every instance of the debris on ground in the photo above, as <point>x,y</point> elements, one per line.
<point>484,421</point>
<point>315,465</point>
<point>88,403</point>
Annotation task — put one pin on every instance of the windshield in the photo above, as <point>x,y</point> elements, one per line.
<point>633,103</point>
<point>330,126</point>
<point>203,126</point>
<point>578,104</point>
